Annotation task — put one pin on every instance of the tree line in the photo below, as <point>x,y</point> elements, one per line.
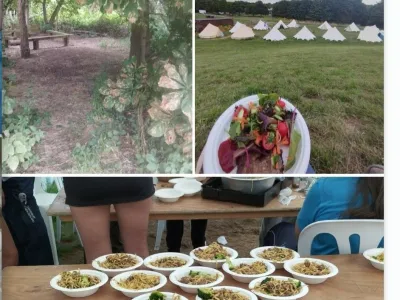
<point>337,11</point>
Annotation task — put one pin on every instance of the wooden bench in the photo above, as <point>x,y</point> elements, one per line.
<point>35,39</point>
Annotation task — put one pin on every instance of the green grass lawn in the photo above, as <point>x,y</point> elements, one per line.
<point>338,88</point>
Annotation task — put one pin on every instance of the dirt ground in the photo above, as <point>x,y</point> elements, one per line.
<point>242,235</point>
<point>59,81</point>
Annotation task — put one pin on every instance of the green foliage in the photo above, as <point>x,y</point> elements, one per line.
<point>51,187</point>
<point>20,135</point>
<point>167,160</point>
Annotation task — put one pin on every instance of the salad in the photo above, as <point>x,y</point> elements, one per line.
<point>256,136</point>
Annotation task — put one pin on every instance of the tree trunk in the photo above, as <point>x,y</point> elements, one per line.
<point>24,45</point>
<point>27,13</point>
<point>56,11</point>
<point>140,35</point>
<point>1,15</point>
<point>46,21</point>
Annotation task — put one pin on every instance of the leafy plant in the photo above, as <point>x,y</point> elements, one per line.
<point>20,135</point>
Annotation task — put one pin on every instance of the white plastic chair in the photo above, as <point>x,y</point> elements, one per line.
<point>44,200</point>
<point>371,233</point>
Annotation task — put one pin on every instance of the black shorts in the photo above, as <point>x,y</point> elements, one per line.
<point>92,191</point>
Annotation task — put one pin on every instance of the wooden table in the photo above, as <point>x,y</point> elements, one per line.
<point>192,208</point>
<point>357,280</point>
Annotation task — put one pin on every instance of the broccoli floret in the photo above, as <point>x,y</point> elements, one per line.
<point>193,273</point>
<point>205,293</point>
<point>266,280</point>
<point>157,296</point>
<point>230,264</point>
<point>219,256</point>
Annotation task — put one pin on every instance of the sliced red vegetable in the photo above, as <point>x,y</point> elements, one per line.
<point>280,103</point>
<point>226,155</point>
<point>268,141</point>
<point>283,129</point>
<point>238,113</point>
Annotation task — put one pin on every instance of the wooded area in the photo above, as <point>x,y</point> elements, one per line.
<point>339,11</point>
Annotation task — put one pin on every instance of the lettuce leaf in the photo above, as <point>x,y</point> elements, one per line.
<point>295,139</point>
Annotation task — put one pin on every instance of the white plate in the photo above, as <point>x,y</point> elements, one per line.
<point>219,134</point>
<point>242,292</point>
<point>188,187</point>
<point>135,293</point>
<point>310,279</point>
<point>167,271</point>
<point>247,278</point>
<point>114,272</point>
<point>192,289</point>
<point>168,195</point>
<point>373,252</point>
<point>168,296</point>
<point>304,289</point>
<point>215,263</point>
<point>279,265</point>
<point>179,180</point>
<point>83,292</point>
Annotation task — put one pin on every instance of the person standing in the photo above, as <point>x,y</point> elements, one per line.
<point>25,223</point>
<point>90,199</point>
<point>175,234</point>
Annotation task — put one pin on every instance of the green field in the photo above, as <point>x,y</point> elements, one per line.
<point>338,88</point>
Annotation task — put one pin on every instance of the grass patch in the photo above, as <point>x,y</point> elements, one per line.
<point>338,88</point>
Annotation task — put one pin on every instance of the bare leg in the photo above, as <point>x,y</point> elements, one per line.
<point>133,220</point>
<point>9,251</point>
<point>93,223</point>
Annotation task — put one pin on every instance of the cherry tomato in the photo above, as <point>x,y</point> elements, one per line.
<point>238,109</point>
<point>283,129</point>
<point>280,103</point>
<point>268,141</point>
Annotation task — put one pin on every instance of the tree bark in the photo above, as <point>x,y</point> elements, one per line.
<point>1,15</point>
<point>24,45</point>
<point>27,13</point>
<point>136,37</point>
<point>140,35</point>
<point>46,21</point>
<point>56,11</point>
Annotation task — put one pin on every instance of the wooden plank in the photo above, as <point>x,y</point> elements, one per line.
<point>357,279</point>
<point>196,207</point>
<point>58,32</point>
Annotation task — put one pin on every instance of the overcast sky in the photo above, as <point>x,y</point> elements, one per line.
<point>273,1</point>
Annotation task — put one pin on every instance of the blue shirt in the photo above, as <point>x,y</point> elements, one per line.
<point>328,199</point>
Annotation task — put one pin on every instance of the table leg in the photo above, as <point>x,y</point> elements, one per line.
<point>35,44</point>
<point>66,40</point>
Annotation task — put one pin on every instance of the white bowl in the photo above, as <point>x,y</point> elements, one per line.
<point>188,187</point>
<point>168,195</point>
<point>167,271</point>
<point>179,180</point>
<point>216,263</point>
<point>192,289</point>
<point>219,134</point>
<point>303,292</point>
<point>114,272</point>
<point>310,279</point>
<point>279,265</point>
<point>135,293</point>
<point>242,292</point>
<point>373,252</point>
<point>168,296</point>
<point>83,292</point>
<point>247,278</point>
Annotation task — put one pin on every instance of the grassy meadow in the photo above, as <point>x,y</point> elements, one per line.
<point>338,88</point>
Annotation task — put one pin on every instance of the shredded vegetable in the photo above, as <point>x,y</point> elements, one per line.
<point>118,261</point>
<point>140,281</point>
<point>76,280</point>
<point>279,288</point>
<point>168,262</point>
<point>311,268</point>
<point>212,252</point>
<point>276,254</point>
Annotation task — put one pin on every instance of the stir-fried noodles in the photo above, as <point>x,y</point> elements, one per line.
<point>212,252</point>
<point>255,268</point>
<point>279,288</point>
<point>76,280</point>
<point>198,278</point>
<point>168,262</point>
<point>311,268</point>
<point>139,281</point>
<point>220,294</point>
<point>276,254</point>
<point>118,261</point>
<point>379,257</point>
